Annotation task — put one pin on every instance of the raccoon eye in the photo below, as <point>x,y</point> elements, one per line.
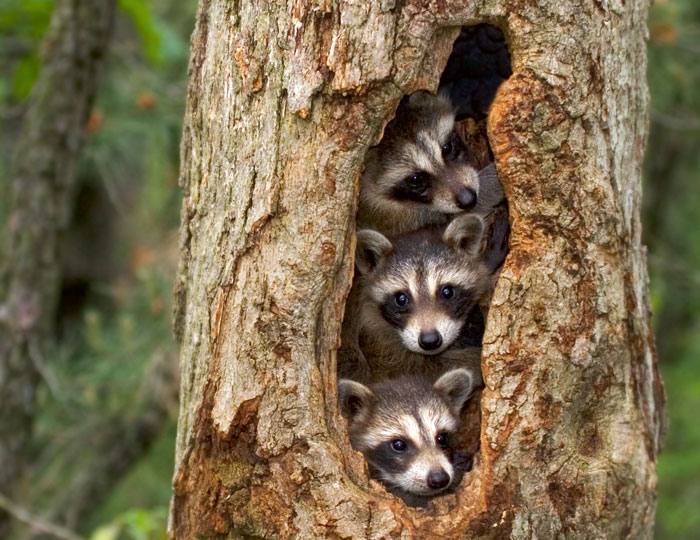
<point>453,147</point>
<point>447,292</point>
<point>441,439</point>
<point>398,445</point>
<point>418,180</point>
<point>447,148</point>
<point>401,299</point>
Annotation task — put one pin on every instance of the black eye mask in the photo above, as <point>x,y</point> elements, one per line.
<point>392,310</point>
<point>416,187</point>
<point>459,303</point>
<point>453,149</point>
<point>385,458</point>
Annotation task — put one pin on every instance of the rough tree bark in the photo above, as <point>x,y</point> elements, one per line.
<point>41,178</point>
<point>281,109</point>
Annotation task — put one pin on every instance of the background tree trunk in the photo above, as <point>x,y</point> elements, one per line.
<point>41,180</point>
<point>281,109</point>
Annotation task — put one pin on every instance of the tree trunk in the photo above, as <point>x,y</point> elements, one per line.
<point>41,179</point>
<point>281,110</point>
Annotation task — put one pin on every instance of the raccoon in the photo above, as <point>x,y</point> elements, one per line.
<point>421,174</point>
<point>411,302</point>
<point>405,428</point>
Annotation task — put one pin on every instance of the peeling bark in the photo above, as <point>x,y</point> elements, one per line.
<point>41,178</point>
<point>281,110</point>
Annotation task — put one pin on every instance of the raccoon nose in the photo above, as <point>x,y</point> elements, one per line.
<point>430,341</point>
<point>438,479</point>
<point>466,199</point>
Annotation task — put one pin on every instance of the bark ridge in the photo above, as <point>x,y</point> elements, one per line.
<point>282,107</point>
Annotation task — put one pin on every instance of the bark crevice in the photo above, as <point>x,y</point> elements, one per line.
<point>572,404</point>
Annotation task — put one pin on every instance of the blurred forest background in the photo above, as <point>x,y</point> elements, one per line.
<point>103,448</point>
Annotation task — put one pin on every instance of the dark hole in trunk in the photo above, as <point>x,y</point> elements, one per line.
<point>433,233</point>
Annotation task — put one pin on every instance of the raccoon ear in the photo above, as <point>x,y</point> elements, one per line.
<point>354,397</point>
<point>456,386</point>
<point>420,98</point>
<point>444,94</point>
<point>464,232</point>
<point>423,99</point>
<point>498,239</point>
<point>372,248</point>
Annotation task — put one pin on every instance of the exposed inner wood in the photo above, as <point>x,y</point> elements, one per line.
<point>281,110</point>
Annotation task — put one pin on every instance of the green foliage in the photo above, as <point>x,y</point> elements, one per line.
<point>25,75</point>
<point>98,380</point>
<point>25,18</point>
<point>98,371</point>
<point>140,15</point>
<point>147,485</point>
<point>672,199</point>
<point>679,464</point>
<point>137,524</point>
<point>673,53</point>
<point>22,24</point>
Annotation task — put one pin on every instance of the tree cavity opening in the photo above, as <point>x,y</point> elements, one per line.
<point>432,236</point>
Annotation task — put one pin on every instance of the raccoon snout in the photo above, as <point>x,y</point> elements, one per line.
<point>438,479</point>
<point>466,198</point>
<point>430,341</point>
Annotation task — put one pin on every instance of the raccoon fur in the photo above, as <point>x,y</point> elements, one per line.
<point>411,302</point>
<point>421,174</point>
<point>405,428</point>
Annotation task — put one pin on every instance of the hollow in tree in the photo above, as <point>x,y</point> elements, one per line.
<point>282,108</point>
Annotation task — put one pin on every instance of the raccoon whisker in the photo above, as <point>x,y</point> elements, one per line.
<point>412,410</point>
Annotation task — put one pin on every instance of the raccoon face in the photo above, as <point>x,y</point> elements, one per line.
<point>428,311</point>
<point>413,459</point>
<point>432,171</point>
<point>421,163</point>
<point>404,428</point>
<point>420,288</point>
